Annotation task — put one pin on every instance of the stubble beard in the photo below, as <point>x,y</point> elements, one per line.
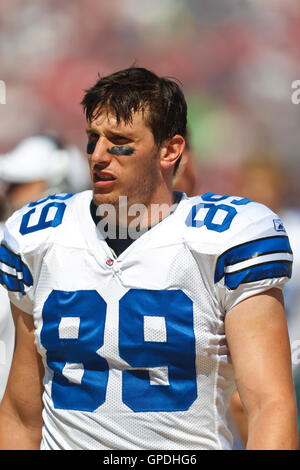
<point>140,192</point>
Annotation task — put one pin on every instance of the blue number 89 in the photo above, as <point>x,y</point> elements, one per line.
<point>212,209</point>
<point>80,374</point>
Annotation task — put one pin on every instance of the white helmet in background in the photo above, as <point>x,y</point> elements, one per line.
<point>43,157</point>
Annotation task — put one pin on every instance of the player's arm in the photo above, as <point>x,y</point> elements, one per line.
<point>239,418</point>
<point>21,407</point>
<point>257,336</point>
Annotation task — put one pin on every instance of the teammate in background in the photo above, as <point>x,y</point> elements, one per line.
<point>262,178</point>
<point>38,166</point>
<point>136,342</point>
<point>41,165</point>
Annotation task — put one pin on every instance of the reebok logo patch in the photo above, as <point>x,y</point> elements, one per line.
<point>278,225</point>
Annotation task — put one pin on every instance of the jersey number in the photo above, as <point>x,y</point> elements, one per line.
<point>51,214</point>
<point>216,217</point>
<point>73,333</point>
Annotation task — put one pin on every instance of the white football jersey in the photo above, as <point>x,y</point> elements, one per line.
<point>134,347</point>
<point>7,334</point>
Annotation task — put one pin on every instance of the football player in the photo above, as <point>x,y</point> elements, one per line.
<point>133,323</point>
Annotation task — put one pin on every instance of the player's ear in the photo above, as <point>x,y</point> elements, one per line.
<point>171,150</point>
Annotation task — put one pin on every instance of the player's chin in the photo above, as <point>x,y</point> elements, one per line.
<point>105,196</point>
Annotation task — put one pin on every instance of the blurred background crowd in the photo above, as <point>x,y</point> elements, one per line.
<point>236,61</point>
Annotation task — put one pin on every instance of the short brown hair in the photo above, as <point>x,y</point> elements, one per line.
<point>133,89</point>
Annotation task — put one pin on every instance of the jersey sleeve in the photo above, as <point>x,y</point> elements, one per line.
<point>257,258</point>
<point>16,266</point>
<point>28,234</point>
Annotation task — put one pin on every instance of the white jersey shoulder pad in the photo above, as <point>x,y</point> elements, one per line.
<point>36,224</point>
<point>26,236</point>
<point>218,222</point>
<point>244,242</point>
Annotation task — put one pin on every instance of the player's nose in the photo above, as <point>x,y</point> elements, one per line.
<point>99,151</point>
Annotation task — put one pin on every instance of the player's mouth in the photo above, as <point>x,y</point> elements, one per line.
<point>102,178</point>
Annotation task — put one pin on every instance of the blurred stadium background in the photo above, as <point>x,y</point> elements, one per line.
<point>236,61</point>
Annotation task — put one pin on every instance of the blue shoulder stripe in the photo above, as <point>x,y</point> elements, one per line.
<point>21,275</point>
<point>249,250</point>
<point>273,269</point>
<point>11,283</point>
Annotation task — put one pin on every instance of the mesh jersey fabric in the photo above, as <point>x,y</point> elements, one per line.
<point>134,349</point>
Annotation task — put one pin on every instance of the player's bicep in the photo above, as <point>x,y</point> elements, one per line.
<point>23,395</point>
<point>258,341</point>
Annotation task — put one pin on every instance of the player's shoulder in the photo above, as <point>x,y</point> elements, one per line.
<point>39,221</point>
<point>217,222</point>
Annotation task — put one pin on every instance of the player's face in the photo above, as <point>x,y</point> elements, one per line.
<point>123,160</point>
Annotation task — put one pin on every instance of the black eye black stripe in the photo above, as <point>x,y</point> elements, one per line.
<point>90,147</point>
<point>115,150</point>
<point>121,150</point>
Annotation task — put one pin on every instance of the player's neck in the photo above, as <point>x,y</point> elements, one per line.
<point>157,208</point>
<point>144,210</point>
<point>128,215</point>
